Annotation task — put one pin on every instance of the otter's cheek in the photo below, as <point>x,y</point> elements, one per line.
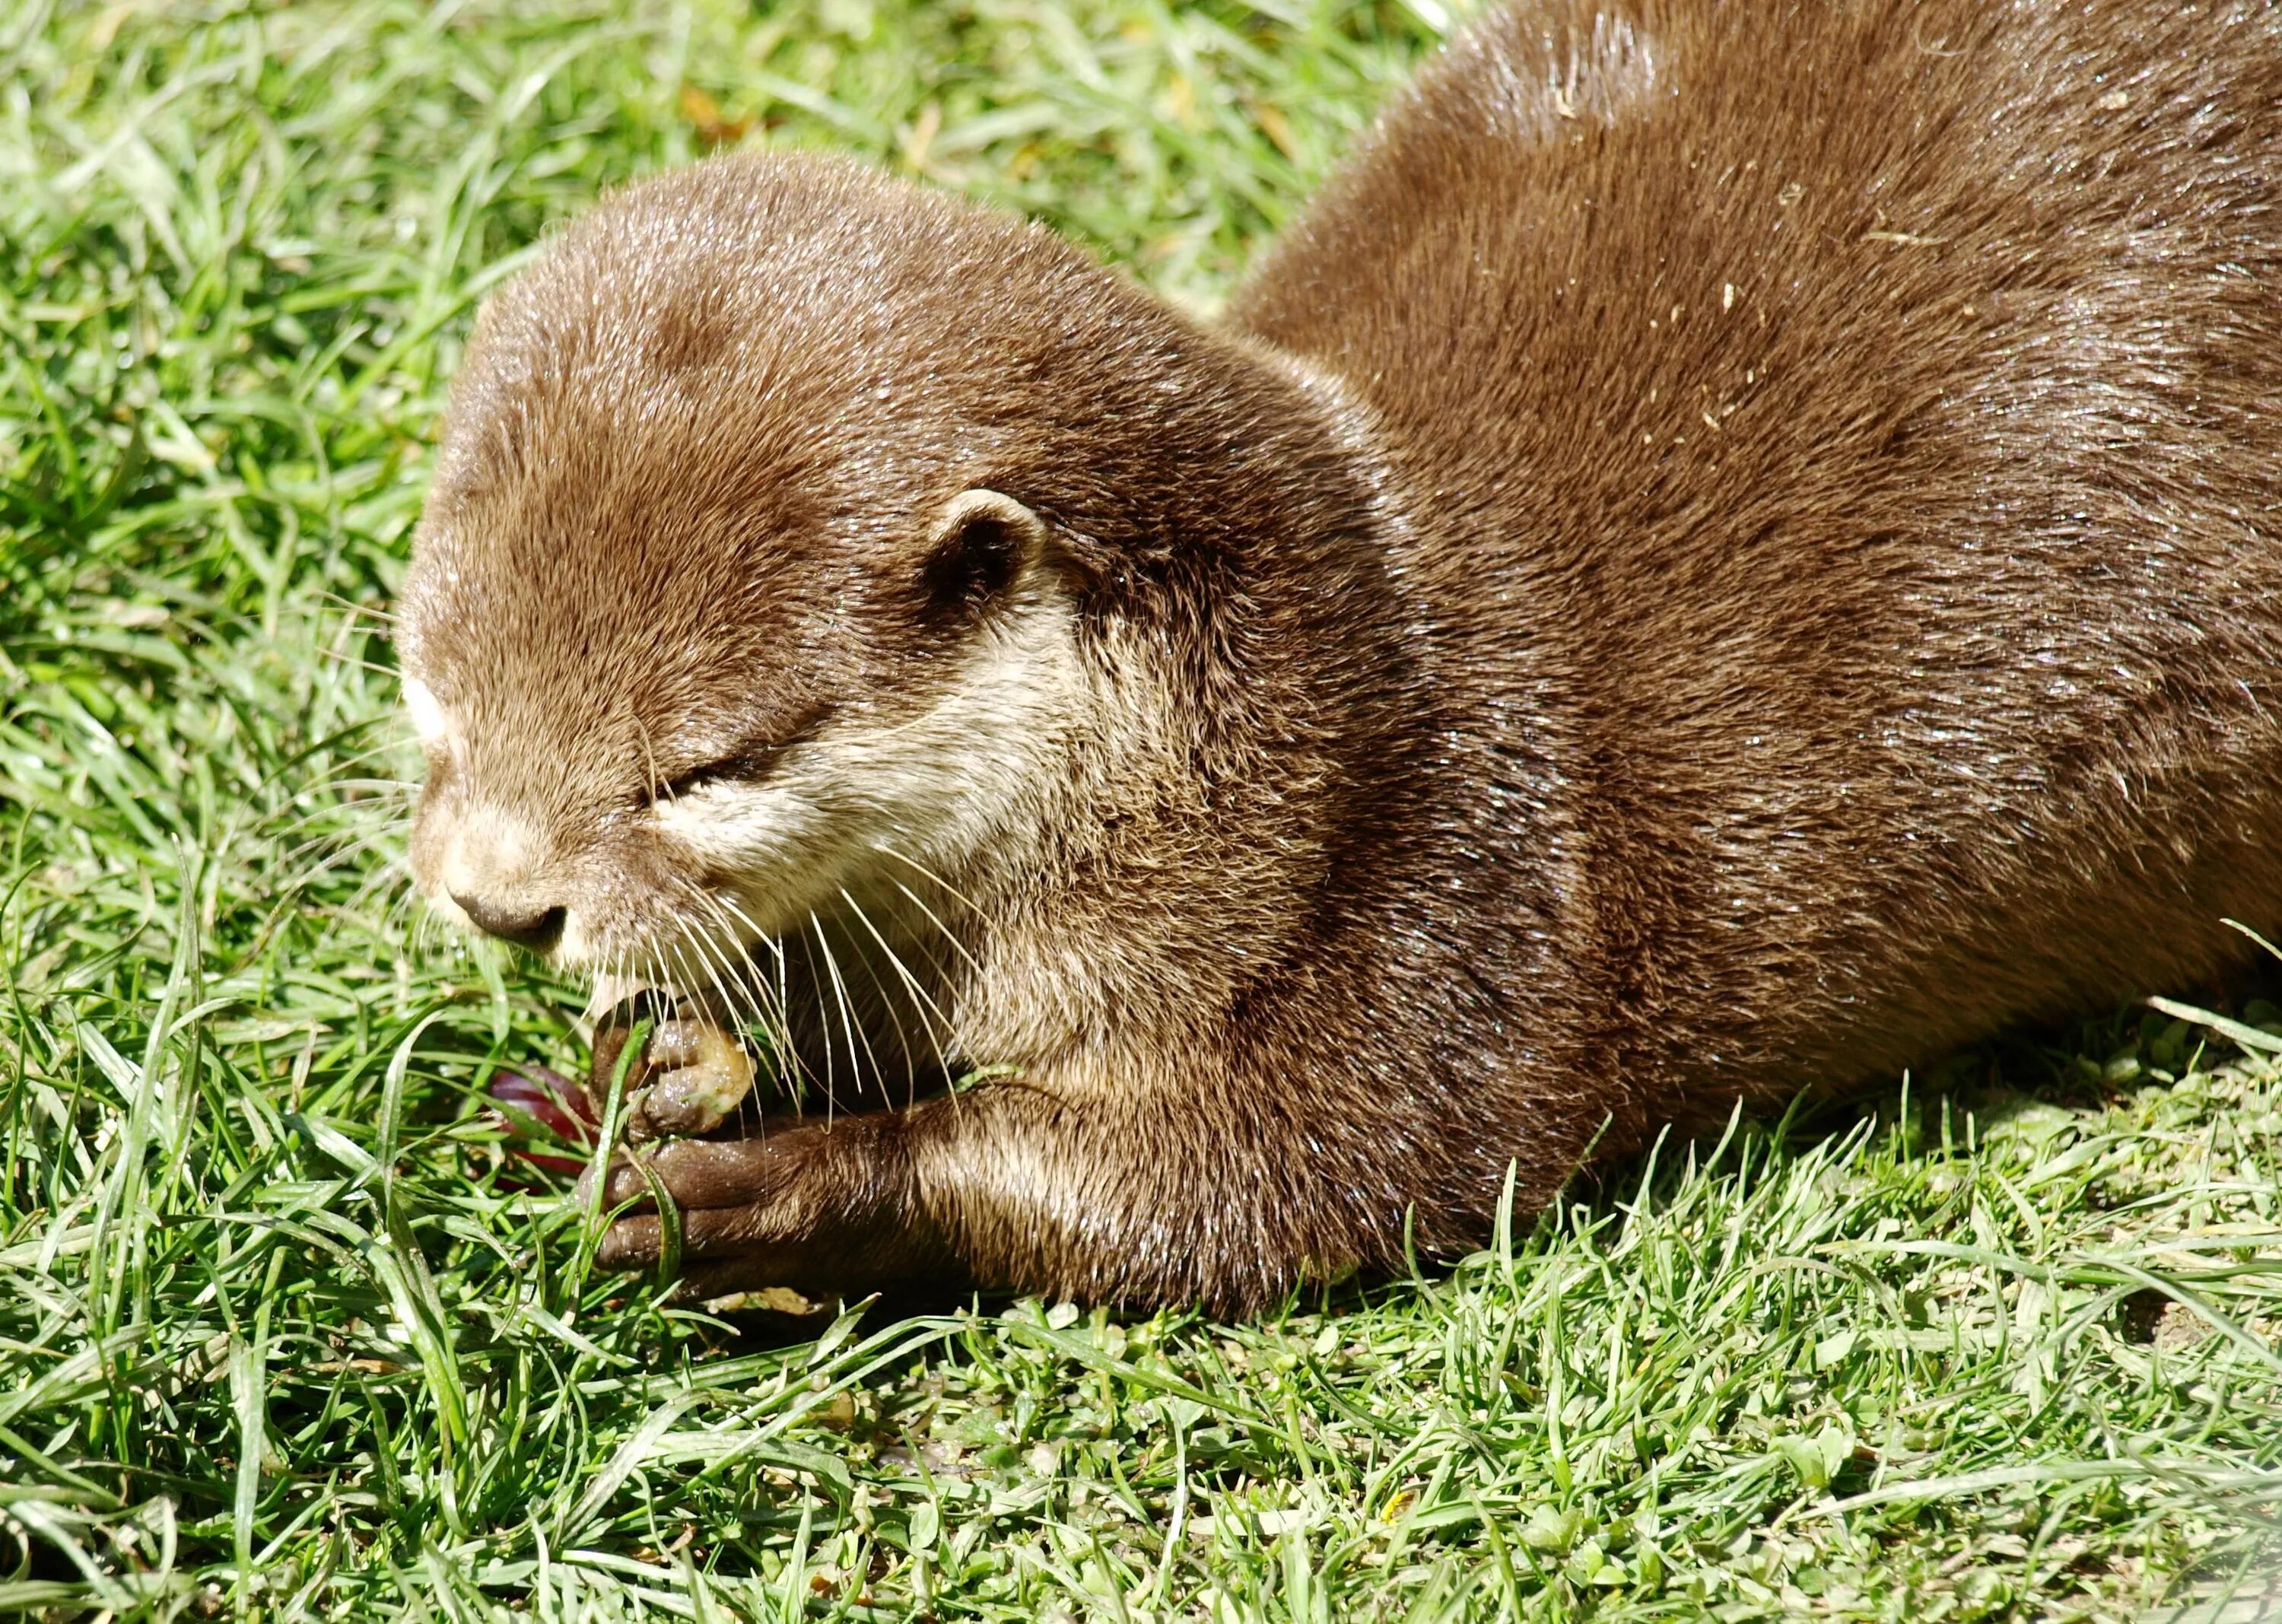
<point>736,828</point>
<point>772,848</point>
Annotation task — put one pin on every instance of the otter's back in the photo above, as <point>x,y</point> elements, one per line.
<point>1869,411</point>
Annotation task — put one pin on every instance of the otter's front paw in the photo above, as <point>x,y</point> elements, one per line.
<point>819,1209</point>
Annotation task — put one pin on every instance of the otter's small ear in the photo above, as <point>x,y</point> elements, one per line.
<point>983,543</point>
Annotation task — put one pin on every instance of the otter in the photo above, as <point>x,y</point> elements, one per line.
<point>1730,548</point>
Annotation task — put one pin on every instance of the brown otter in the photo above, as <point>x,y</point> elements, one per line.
<point>1732,546</point>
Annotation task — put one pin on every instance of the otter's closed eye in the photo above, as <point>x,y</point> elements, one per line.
<point>743,768</point>
<point>748,763</point>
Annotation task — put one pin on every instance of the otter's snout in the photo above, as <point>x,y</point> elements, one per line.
<point>503,874</point>
<point>538,928</point>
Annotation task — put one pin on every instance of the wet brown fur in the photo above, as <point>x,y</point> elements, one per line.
<point>1732,548</point>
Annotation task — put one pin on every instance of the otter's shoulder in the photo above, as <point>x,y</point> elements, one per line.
<point>1435,182</point>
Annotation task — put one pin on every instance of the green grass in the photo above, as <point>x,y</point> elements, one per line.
<point>274,1339</point>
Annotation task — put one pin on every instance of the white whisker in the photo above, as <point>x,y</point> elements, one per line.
<point>924,1004</point>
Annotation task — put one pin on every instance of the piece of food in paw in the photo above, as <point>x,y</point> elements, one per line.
<point>689,1078</point>
<point>700,1086</point>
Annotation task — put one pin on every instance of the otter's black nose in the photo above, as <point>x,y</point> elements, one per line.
<point>536,928</point>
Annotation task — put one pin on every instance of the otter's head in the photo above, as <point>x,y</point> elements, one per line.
<point>782,518</point>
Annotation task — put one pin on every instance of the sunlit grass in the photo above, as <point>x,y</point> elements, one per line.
<point>276,1339</point>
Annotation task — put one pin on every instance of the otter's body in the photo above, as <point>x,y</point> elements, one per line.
<point>1733,548</point>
